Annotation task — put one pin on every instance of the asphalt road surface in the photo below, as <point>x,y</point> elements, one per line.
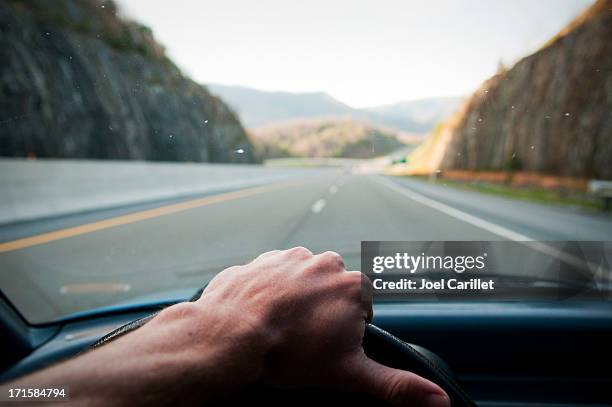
<point>58,267</point>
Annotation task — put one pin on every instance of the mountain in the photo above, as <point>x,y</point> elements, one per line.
<point>551,113</point>
<point>346,138</point>
<point>258,108</point>
<point>76,81</point>
<point>427,112</point>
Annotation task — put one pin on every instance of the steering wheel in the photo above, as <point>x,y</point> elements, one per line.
<point>378,344</point>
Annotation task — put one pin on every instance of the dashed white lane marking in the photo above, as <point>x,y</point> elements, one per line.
<point>319,205</point>
<point>333,189</point>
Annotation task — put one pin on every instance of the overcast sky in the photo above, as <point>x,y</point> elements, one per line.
<point>363,53</point>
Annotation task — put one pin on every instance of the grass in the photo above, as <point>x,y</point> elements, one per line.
<point>533,194</point>
<point>309,162</point>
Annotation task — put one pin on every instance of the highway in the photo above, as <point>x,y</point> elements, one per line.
<point>60,266</point>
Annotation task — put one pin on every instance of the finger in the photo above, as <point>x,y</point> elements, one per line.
<point>365,294</point>
<point>396,387</point>
<point>331,261</point>
<point>367,290</point>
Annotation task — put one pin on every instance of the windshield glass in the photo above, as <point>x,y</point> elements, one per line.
<point>145,148</point>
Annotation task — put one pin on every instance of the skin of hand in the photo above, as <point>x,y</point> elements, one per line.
<point>288,318</point>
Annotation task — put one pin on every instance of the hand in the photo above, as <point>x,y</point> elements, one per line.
<point>304,315</point>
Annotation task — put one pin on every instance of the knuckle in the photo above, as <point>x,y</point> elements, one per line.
<point>353,280</point>
<point>299,251</point>
<point>331,259</point>
<point>395,392</point>
<point>407,389</point>
<point>267,254</point>
<point>403,391</point>
<point>233,269</point>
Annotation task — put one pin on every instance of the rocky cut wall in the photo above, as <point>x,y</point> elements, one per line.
<point>76,81</point>
<point>550,113</point>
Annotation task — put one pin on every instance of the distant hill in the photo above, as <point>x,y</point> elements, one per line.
<point>550,113</point>
<point>258,108</point>
<point>427,112</point>
<point>347,138</point>
<point>76,81</point>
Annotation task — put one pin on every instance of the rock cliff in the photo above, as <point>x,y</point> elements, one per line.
<point>550,113</point>
<point>77,81</point>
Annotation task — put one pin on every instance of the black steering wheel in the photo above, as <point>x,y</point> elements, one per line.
<point>378,344</point>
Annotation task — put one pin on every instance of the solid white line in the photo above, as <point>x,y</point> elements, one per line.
<point>488,226</point>
<point>455,213</point>
<point>319,205</point>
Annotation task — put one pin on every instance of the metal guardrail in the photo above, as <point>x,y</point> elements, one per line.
<point>603,190</point>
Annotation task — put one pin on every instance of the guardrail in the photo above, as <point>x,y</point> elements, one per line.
<point>34,189</point>
<point>603,190</point>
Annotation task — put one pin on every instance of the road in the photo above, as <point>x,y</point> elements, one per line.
<point>58,267</point>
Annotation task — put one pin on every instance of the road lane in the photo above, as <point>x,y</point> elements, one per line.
<point>362,209</point>
<point>534,220</point>
<point>177,250</point>
<point>186,248</point>
<point>131,218</point>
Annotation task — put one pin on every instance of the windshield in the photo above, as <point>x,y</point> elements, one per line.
<point>145,148</point>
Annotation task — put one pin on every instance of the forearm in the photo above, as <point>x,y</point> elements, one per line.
<point>136,369</point>
<point>104,376</point>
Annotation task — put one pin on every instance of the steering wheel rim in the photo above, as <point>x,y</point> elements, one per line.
<point>389,350</point>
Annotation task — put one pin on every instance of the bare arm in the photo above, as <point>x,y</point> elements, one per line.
<point>288,318</point>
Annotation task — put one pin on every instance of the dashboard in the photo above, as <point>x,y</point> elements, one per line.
<point>502,353</point>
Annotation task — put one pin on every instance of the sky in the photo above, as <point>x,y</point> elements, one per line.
<point>362,52</point>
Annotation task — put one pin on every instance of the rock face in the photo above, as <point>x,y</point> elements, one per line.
<point>550,113</point>
<point>78,82</point>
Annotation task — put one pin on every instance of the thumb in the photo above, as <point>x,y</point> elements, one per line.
<point>396,387</point>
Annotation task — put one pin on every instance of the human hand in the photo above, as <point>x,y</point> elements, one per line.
<point>303,318</point>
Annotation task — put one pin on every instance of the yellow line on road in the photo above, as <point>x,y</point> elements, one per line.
<point>135,217</point>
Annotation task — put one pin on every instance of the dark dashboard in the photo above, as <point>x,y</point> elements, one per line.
<point>502,353</point>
